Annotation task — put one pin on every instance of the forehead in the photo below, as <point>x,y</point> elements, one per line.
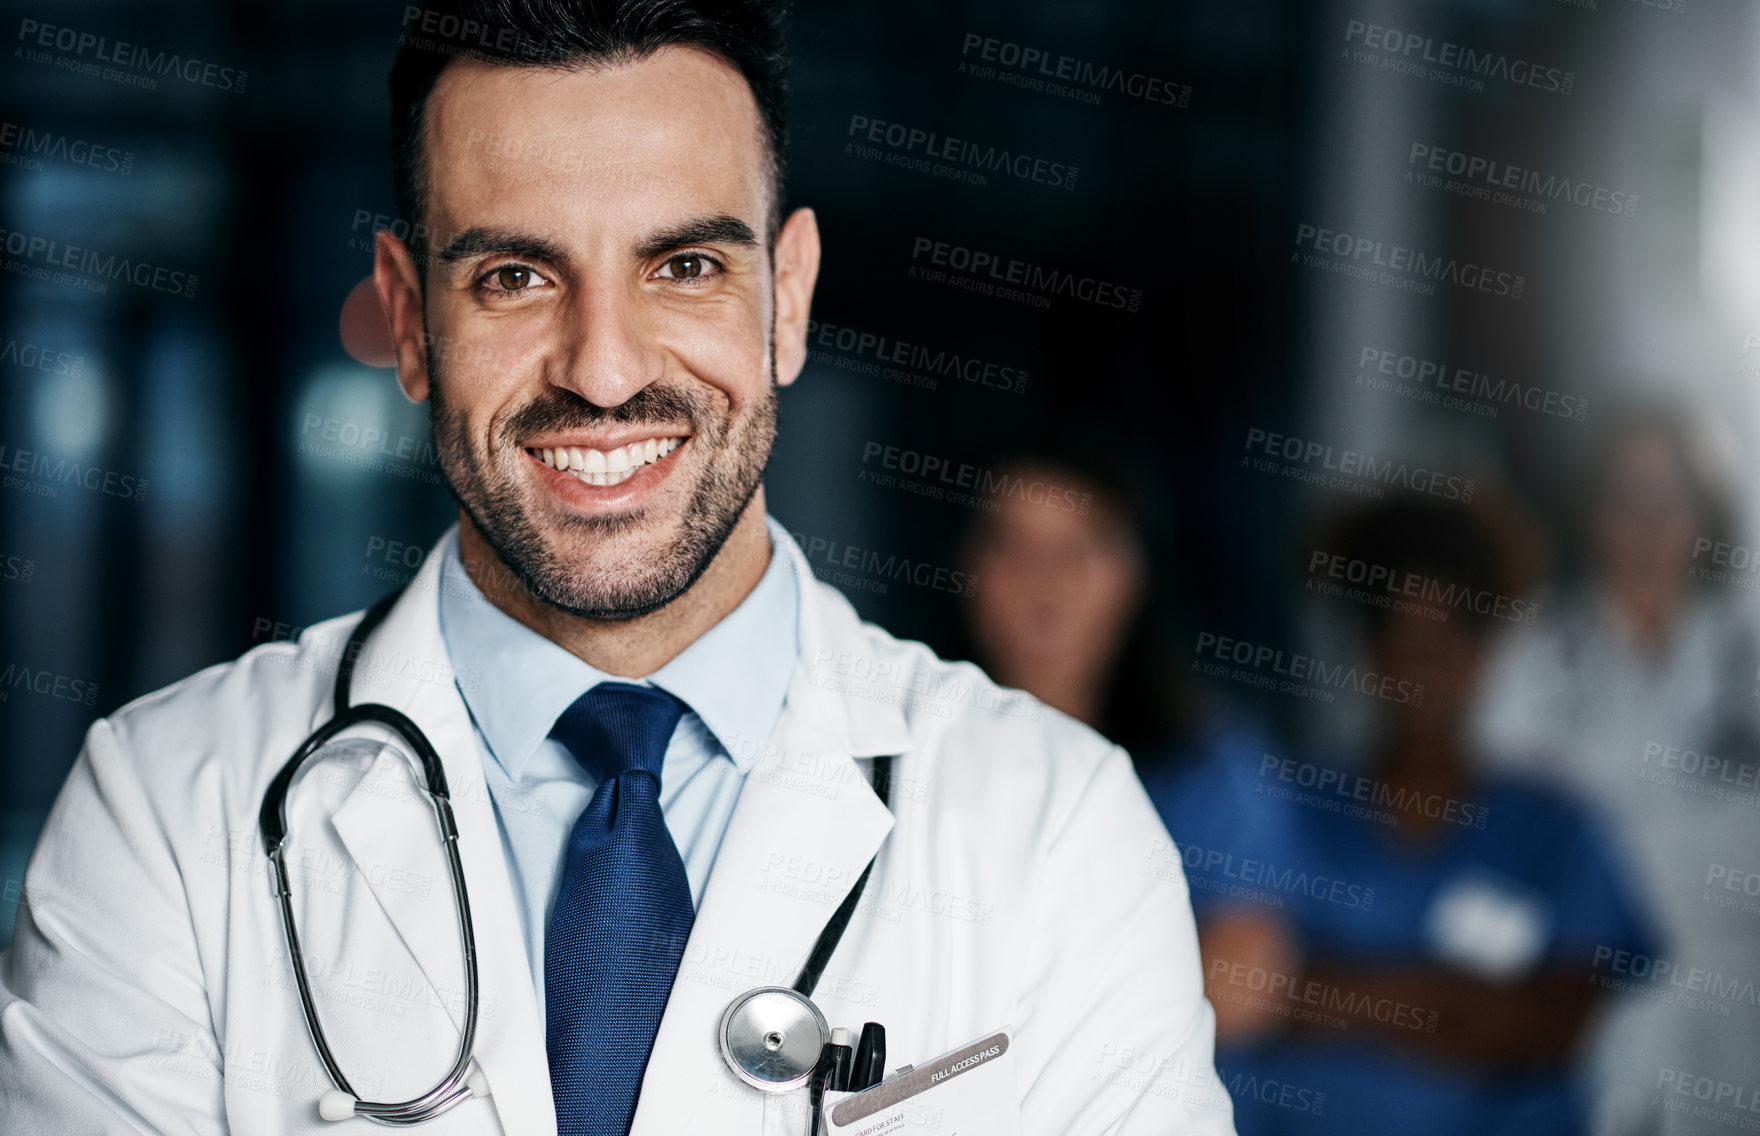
<point>677,132</point>
<point>1021,516</point>
<point>1648,455</point>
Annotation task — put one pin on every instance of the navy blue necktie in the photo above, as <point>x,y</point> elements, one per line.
<point>622,915</point>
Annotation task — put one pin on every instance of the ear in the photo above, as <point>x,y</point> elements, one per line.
<point>397,277</point>
<point>797,271</point>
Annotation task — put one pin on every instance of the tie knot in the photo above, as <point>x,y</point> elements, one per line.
<point>617,726</point>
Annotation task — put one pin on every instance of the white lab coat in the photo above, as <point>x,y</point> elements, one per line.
<point>1023,880</point>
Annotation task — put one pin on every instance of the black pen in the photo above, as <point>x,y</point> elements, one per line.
<point>870,1060</point>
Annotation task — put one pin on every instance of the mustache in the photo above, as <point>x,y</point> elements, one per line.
<point>653,405</point>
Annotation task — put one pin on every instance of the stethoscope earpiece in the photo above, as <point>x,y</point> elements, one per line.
<point>336,1105</point>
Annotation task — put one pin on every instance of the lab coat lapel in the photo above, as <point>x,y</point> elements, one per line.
<point>806,824</point>
<point>406,665</point>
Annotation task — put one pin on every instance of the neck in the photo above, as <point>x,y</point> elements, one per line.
<point>1080,694</point>
<point>630,648</point>
<point>1428,765</point>
<point>1431,759</point>
<point>1648,612</point>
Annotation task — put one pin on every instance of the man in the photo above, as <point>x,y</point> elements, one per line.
<point>657,728</point>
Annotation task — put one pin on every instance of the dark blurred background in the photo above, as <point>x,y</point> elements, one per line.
<point>230,405</point>
<point>195,464</point>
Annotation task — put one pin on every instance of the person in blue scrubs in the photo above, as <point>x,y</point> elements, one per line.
<point>1455,1002</point>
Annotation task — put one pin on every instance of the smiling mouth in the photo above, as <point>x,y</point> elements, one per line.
<point>606,467</point>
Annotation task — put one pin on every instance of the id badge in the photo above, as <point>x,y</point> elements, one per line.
<point>970,1090</point>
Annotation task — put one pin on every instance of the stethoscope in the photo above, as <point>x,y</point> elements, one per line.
<point>772,1037</point>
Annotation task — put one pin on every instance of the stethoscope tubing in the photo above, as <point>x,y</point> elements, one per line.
<point>452,1088</point>
<point>272,819</point>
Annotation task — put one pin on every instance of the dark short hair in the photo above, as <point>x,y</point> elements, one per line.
<point>1444,542</point>
<point>749,35</point>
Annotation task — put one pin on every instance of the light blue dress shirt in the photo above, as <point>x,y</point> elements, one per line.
<point>733,680</point>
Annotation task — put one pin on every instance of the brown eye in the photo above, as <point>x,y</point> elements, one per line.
<point>513,278</point>
<point>687,267</point>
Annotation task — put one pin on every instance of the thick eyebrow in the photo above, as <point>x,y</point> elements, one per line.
<point>476,242</point>
<point>720,229</point>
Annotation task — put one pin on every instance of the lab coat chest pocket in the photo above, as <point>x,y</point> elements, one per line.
<point>787,1114</point>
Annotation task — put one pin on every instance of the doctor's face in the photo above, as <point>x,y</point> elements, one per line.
<point>600,326</point>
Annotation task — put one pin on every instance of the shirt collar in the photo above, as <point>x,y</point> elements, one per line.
<point>734,676</point>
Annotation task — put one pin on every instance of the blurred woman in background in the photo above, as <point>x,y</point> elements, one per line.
<point>1636,689</point>
<point>1063,609</point>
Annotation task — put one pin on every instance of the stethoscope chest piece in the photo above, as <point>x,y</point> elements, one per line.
<point>771,1038</point>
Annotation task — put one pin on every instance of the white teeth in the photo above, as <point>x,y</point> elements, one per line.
<point>607,467</point>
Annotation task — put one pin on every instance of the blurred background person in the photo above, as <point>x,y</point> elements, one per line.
<point>1457,999</point>
<point>1636,689</point>
<point>1064,609</point>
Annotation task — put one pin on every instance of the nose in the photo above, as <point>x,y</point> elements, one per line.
<point>609,350</point>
